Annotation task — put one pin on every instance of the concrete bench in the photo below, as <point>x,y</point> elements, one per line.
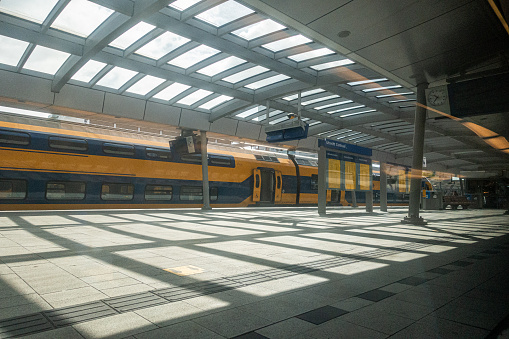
<point>456,200</point>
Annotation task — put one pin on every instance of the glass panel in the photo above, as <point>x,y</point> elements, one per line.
<point>276,121</point>
<point>356,113</point>
<point>117,191</point>
<point>33,10</point>
<point>221,160</point>
<point>195,193</point>
<point>309,102</point>
<point>311,54</point>
<point>145,85</point>
<point>346,109</point>
<point>251,111</point>
<point>285,43</point>
<point>332,64</point>
<point>88,71</point>
<point>215,102</point>
<point>250,72</point>
<point>224,13</point>
<point>65,190</point>
<point>46,60</point>
<point>303,94</point>
<point>221,66</point>
<point>393,95</point>
<point>81,17</point>
<point>13,189</point>
<point>193,56</point>
<point>158,192</point>
<point>68,144</point>
<point>334,104</point>
<point>380,88</point>
<point>258,29</point>
<point>118,149</point>
<point>362,82</point>
<point>162,45</point>
<point>116,77</point>
<point>192,158</point>
<point>11,50</point>
<point>171,91</point>
<point>183,4</point>
<point>194,97</point>
<point>14,138</point>
<point>271,114</point>
<point>267,81</point>
<point>132,35</point>
<point>157,153</point>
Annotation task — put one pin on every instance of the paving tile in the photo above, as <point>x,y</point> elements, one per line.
<point>467,316</point>
<point>440,270</point>
<point>395,287</point>
<point>285,329</point>
<point>375,295</point>
<point>322,314</point>
<point>171,313</point>
<point>379,321</point>
<point>250,335</point>
<point>183,330</point>
<point>73,297</point>
<point>402,308</point>
<point>59,333</point>
<point>338,328</point>
<point>271,309</point>
<point>124,290</point>
<point>461,263</point>
<point>478,257</point>
<point>117,326</point>
<point>414,281</point>
<point>352,304</point>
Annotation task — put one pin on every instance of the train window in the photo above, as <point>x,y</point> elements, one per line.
<point>14,138</point>
<point>117,192</point>
<point>220,160</point>
<point>118,149</point>
<point>195,193</point>
<point>158,192</point>
<point>158,153</point>
<point>193,158</point>
<point>266,158</point>
<point>278,182</point>
<point>68,144</point>
<point>13,189</point>
<point>314,182</point>
<point>65,190</point>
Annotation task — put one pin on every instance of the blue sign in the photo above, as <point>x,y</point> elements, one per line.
<point>365,161</point>
<point>333,155</point>
<point>347,157</point>
<point>341,146</point>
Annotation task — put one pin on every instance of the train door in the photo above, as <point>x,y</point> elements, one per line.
<point>267,185</point>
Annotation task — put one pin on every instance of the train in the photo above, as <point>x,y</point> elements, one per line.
<point>55,168</point>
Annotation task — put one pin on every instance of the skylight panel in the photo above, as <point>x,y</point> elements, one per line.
<point>332,64</point>
<point>11,50</point>
<point>215,102</point>
<point>250,111</point>
<point>273,122</point>
<point>171,91</point>
<point>285,43</point>
<point>311,54</point>
<point>88,71</point>
<point>162,45</point>
<point>81,17</point>
<point>309,102</point>
<point>356,113</point>
<point>346,109</point>
<point>132,35</point>
<point>224,13</point>
<point>264,116</point>
<point>258,29</point>
<point>380,88</point>
<point>250,72</point>
<point>315,123</point>
<point>194,97</point>
<point>33,10</point>
<point>334,104</point>
<point>145,85</point>
<point>193,56</point>
<point>46,60</point>
<point>363,82</point>
<point>183,4</point>
<point>221,66</point>
<point>303,94</point>
<point>394,95</point>
<point>117,77</point>
<point>267,81</point>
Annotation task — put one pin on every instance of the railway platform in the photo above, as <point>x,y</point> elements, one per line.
<point>253,273</point>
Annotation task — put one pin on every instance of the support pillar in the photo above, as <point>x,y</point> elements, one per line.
<point>416,174</point>
<point>354,200</point>
<point>369,201</point>
<point>322,174</point>
<point>205,172</point>
<point>383,187</point>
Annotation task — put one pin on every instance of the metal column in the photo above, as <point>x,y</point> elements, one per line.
<point>205,171</point>
<point>416,174</point>
<point>383,187</point>
<point>322,174</point>
<point>369,201</point>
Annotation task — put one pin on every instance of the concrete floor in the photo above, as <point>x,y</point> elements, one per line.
<point>252,273</point>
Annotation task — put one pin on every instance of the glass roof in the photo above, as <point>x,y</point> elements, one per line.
<point>362,82</point>
<point>193,56</point>
<point>132,35</point>
<point>258,29</point>
<point>224,13</point>
<point>276,121</point>
<point>145,85</point>
<point>250,72</point>
<point>346,109</point>
<point>33,10</point>
<point>263,116</point>
<point>356,113</point>
<point>393,94</point>
<point>311,54</point>
<point>374,89</point>
<point>11,50</point>
<point>194,97</point>
<point>221,66</point>
<point>45,60</point>
<point>303,94</point>
<point>320,99</point>
<point>162,45</point>
<point>88,71</point>
<point>285,43</point>
<point>251,111</point>
<point>183,4</point>
<point>332,64</point>
<point>267,81</point>
<point>171,91</point>
<point>334,104</point>
<point>216,102</point>
<point>117,77</point>
<point>81,17</point>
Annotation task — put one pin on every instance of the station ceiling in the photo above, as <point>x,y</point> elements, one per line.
<point>356,63</point>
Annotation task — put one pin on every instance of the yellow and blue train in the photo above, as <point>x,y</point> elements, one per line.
<point>57,168</point>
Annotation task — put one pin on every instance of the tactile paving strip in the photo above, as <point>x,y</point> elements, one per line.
<point>15,327</point>
<point>76,314</point>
